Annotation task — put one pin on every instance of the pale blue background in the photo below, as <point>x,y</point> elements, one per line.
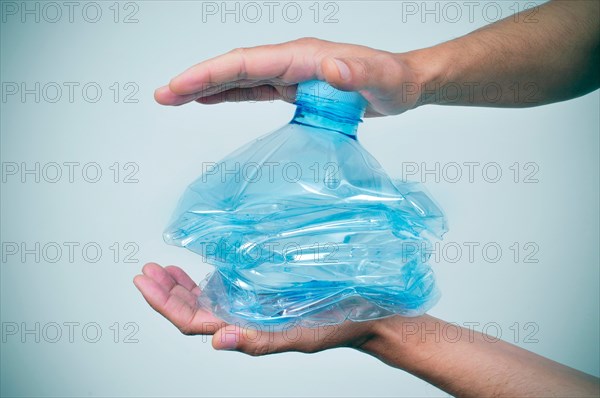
<point>560,293</point>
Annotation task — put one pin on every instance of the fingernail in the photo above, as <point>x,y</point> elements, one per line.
<point>343,69</point>
<point>228,341</point>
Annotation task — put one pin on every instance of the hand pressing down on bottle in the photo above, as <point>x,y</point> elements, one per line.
<point>272,72</point>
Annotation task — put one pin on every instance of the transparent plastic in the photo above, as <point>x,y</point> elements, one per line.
<point>304,226</point>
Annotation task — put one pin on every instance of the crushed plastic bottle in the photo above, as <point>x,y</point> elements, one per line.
<point>303,225</point>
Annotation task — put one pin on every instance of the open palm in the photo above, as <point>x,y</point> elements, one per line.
<point>173,294</point>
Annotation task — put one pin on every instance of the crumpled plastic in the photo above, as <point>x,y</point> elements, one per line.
<point>304,227</point>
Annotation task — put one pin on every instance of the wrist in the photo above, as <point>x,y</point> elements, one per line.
<point>396,340</point>
<point>431,68</point>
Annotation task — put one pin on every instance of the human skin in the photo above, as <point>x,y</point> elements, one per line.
<point>465,363</point>
<point>553,59</point>
<point>532,63</point>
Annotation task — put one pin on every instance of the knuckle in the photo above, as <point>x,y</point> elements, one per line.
<point>241,53</point>
<point>390,64</point>
<point>239,50</point>
<point>391,61</point>
<point>385,58</point>
<point>361,69</point>
<point>376,67</point>
<point>185,330</point>
<point>308,41</point>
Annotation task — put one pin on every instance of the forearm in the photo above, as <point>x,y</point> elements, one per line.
<point>468,363</point>
<point>521,61</point>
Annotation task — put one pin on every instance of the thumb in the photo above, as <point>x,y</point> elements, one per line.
<point>380,79</point>
<point>258,342</point>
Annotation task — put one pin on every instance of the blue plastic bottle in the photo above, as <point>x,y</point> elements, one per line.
<point>303,225</point>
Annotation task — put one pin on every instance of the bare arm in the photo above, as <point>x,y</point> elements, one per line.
<point>467,364</point>
<point>523,60</point>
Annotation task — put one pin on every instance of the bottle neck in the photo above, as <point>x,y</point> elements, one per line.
<point>337,117</point>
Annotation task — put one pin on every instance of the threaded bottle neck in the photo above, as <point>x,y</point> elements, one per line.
<point>322,106</point>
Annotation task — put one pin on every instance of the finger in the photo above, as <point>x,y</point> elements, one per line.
<point>260,93</point>
<point>170,306</point>
<point>165,96</point>
<point>172,278</point>
<point>258,342</point>
<point>181,277</point>
<point>188,297</point>
<point>379,78</point>
<point>155,294</point>
<point>308,340</point>
<point>188,319</point>
<point>159,275</point>
<point>185,287</point>
<point>357,73</point>
<point>287,62</point>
